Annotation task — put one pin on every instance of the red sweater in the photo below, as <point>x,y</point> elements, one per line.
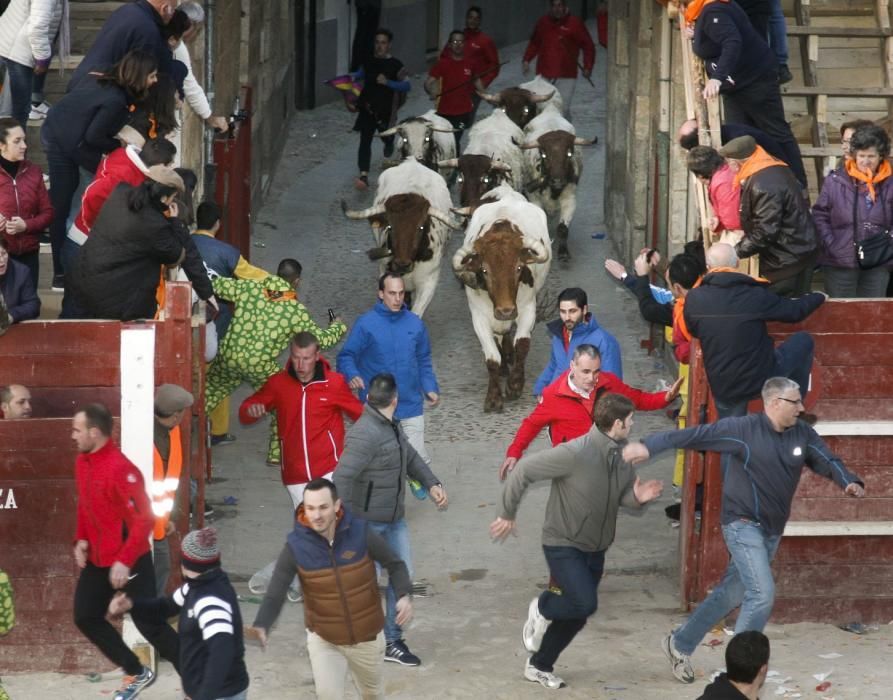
<point>557,43</point>
<point>482,51</point>
<point>112,496</point>
<point>121,165</point>
<point>311,426</point>
<point>569,415</point>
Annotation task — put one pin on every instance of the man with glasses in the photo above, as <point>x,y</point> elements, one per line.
<point>767,452</point>
<point>566,405</point>
<point>451,83</point>
<point>728,312</point>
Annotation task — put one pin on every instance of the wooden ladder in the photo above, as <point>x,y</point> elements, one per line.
<point>821,151</point>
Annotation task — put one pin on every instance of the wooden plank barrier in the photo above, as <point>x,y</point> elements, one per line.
<point>833,564</point>
<point>66,364</point>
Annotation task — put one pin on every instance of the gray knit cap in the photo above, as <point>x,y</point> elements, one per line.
<point>200,550</point>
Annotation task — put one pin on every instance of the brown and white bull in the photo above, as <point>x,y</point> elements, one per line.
<point>503,263</point>
<point>491,158</point>
<point>519,104</point>
<point>428,138</point>
<point>539,87</point>
<point>411,221</point>
<point>552,168</point>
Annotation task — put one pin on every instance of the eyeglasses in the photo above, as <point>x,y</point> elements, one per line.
<point>457,41</point>
<point>793,401</point>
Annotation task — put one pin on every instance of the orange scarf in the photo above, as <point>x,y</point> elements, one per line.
<point>759,160</point>
<point>696,7</point>
<point>679,306</point>
<point>883,172</point>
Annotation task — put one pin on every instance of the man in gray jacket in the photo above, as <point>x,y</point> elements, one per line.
<point>590,481</point>
<point>371,478</point>
<point>767,452</point>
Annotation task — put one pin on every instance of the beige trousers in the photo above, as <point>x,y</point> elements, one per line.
<point>331,662</point>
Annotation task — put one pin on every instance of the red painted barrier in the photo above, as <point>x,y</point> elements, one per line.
<point>232,189</point>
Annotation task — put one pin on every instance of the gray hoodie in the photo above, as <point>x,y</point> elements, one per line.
<point>590,481</point>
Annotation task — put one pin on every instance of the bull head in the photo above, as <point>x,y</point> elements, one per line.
<point>479,174</point>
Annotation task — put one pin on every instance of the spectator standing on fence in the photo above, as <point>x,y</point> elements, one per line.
<point>856,202</point>
<point>742,69</point>
<point>25,209</point>
<point>81,128</point>
<point>557,41</point>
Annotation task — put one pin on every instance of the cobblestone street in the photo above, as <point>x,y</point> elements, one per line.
<point>467,631</point>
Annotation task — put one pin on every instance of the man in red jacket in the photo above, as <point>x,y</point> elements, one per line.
<point>481,49</point>
<point>310,401</point>
<point>114,521</point>
<point>566,404</point>
<point>557,41</point>
<point>451,83</point>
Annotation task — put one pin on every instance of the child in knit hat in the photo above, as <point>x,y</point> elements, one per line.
<point>212,652</point>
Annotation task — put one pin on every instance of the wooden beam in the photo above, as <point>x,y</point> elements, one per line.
<point>830,528</point>
<point>870,428</point>
<point>838,91</point>
<point>846,32</point>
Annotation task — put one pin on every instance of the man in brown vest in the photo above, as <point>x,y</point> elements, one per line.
<point>333,553</point>
<point>171,404</point>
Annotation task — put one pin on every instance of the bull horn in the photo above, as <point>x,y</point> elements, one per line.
<point>445,131</point>
<point>499,165</point>
<point>362,213</point>
<point>389,132</point>
<point>462,211</point>
<point>378,253</point>
<point>459,255</point>
<point>580,141</point>
<point>541,253</point>
<point>536,99</point>
<point>444,218</point>
<point>528,146</point>
<point>492,99</point>
<point>448,163</point>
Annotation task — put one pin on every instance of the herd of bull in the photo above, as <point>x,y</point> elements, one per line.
<point>520,166</point>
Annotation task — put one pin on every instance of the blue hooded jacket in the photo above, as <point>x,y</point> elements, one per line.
<point>587,331</point>
<point>391,341</point>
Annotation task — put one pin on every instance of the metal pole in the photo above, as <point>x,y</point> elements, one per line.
<point>210,167</point>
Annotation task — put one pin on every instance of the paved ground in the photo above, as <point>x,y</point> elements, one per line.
<point>468,631</point>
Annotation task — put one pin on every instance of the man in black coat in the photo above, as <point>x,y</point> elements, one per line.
<point>728,312</point>
<point>136,25</point>
<point>775,217</point>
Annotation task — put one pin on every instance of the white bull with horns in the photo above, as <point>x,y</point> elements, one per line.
<point>428,138</point>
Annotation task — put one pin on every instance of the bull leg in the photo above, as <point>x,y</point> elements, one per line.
<point>567,205</point>
<point>561,233</point>
<point>407,299</point>
<point>493,402</point>
<point>506,353</point>
<point>515,384</point>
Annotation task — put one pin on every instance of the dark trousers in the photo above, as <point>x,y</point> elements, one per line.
<point>71,307</point>
<point>367,129</point>
<point>795,286</point>
<point>64,179</point>
<point>91,601</point>
<point>32,262</point>
<point>759,104</point>
<point>577,573</point>
<point>19,77</point>
<point>460,122</point>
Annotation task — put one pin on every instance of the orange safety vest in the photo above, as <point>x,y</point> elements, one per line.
<point>164,486</point>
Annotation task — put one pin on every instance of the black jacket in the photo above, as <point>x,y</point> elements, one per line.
<point>777,223</point>
<point>84,122</point>
<point>722,689</point>
<point>732,50</point>
<point>118,268</point>
<point>212,651</point>
<point>133,26</point>
<point>728,314</point>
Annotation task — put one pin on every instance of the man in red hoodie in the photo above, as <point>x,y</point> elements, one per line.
<point>310,401</point>
<point>481,50</point>
<point>566,404</point>
<point>114,521</point>
<point>557,40</point>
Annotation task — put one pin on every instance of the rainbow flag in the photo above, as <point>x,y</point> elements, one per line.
<point>349,87</point>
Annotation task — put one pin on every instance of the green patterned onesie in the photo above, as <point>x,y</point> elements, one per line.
<point>266,317</point>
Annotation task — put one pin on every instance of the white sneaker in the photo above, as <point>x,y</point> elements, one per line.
<point>535,627</point>
<point>544,678</point>
<point>39,112</point>
<point>680,662</point>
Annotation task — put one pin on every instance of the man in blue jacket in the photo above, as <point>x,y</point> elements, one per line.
<point>389,338</point>
<point>575,327</point>
<point>137,25</point>
<point>767,452</point>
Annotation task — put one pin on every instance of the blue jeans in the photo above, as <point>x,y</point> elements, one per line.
<point>396,535</point>
<point>577,574</point>
<point>778,33</point>
<point>19,77</point>
<point>747,582</point>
